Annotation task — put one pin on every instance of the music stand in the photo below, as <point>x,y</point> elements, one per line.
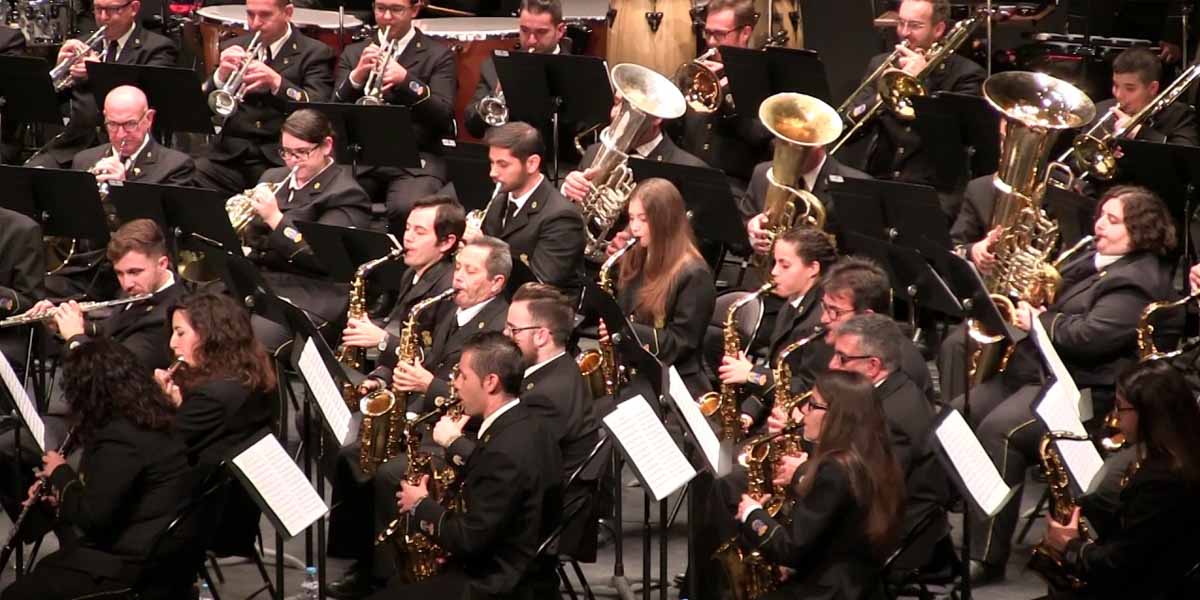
<point>378,136</point>
<point>978,127</point>
<point>893,211</point>
<point>193,220</point>
<point>65,203</point>
<point>755,75</point>
<point>1170,170</point>
<point>915,280</point>
<point>26,89</point>
<point>344,249</point>
<point>172,92</point>
<point>469,169</point>
<point>943,140</point>
<point>706,194</point>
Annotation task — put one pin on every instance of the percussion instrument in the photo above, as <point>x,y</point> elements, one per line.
<point>42,22</point>
<point>472,39</point>
<point>587,26</point>
<point>229,20</point>
<point>660,44</point>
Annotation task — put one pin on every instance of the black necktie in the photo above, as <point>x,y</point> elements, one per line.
<point>111,55</point>
<point>508,215</point>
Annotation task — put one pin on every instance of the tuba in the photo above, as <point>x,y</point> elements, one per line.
<point>645,96</point>
<point>599,367</point>
<point>224,100</point>
<point>725,402</point>
<point>1062,503</point>
<point>801,124</point>
<point>60,75</point>
<point>350,357</point>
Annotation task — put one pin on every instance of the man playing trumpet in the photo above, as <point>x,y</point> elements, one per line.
<point>132,154</point>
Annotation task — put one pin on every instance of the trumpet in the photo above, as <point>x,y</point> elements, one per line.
<point>60,75</point>
<point>373,88</point>
<point>86,307</point>
<point>475,218</point>
<point>240,207</point>
<point>494,109</point>
<point>701,86</point>
<point>226,99</point>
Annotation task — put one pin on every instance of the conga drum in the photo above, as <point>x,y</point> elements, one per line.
<point>472,39</point>
<point>635,38</point>
<point>587,26</point>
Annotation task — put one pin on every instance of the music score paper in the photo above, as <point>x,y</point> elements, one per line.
<point>1082,460</point>
<point>974,466</point>
<point>29,414</point>
<point>326,391</point>
<point>281,484</point>
<point>1062,401</point>
<point>656,459</point>
<point>702,432</point>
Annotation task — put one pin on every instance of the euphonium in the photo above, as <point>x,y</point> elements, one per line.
<point>240,208</point>
<point>599,367</point>
<point>701,86</point>
<point>383,411</point>
<point>60,75</point>
<point>225,100</point>
<point>1147,350</point>
<point>350,357</point>
<point>801,125</point>
<point>1062,503</point>
<point>725,401</point>
<point>645,96</point>
<point>373,88</point>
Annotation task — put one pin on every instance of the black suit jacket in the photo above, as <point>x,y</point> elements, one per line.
<point>791,325</point>
<point>218,415</point>
<point>130,484</point>
<point>22,262</point>
<point>154,164</point>
<point>252,131</point>
<point>547,235</point>
<point>435,280</point>
<point>141,327</point>
<point>755,198</point>
<point>512,491</point>
<point>665,151</point>
<point>12,43</point>
<point>1175,124</point>
<point>732,142</point>
<point>975,212</point>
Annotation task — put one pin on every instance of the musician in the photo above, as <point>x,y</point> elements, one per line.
<point>22,271</point>
<point>849,508</point>
<point>125,41</point>
<point>511,490</point>
<point>1148,547</point>
<point>802,256</point>
<point>1136,76</point>
<point>727,139</point>
<point>872,345</point>
<point>541,31</point>
<point>12,43</point>
<point>1092,323</point>
<point>130,483</point>
<point>543,230</point>
<point>129,120</point>
<point>420,76</point>
<point>290,67</point>
<point>311,187</point>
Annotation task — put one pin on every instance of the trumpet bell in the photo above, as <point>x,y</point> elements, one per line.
<point>377,403</point>
<point>369,101</point>
<point>700,86</point>
<point>222,102</point>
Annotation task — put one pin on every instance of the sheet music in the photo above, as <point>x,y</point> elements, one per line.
<point>702,432</point>
<point>16,389</point>
<point>973,464</point>
<point>325,390</point>
<point>662,467</point>
<point>1060,405</point>
<point>1081,458</point>
<point>281,484</point>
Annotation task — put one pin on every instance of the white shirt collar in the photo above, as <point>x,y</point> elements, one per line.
<point>796,303</point>
<point>531,370</point>
<point>132,157</point>
<point>810,178</point>
<point>402,43</point>
<point>1104,260</point>
<point>121,41</point>
<point>483,427</point>
<point>523,198</point>
<point>645,149</point>
<point>464,315</point>
<point>277,46</point>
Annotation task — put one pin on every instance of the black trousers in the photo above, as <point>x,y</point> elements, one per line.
<point>56,579</point>
<point>398,190</point>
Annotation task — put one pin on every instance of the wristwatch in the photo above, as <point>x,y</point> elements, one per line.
<point>383,344</point>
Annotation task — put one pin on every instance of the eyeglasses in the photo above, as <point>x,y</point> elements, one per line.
<point>392,9</point>
<point>129,126</point>
<point>297,153</point>
<point>110,10</point>
<point>809,406</point>
<point>911,25</point>
<point>717,34</point>
<point>834,312</point>
<point>844,358</point>
<point>516,330</point>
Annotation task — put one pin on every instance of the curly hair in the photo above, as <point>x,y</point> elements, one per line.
<point>227,347</point>
<point>103,380</point>
<point>1149,223</point>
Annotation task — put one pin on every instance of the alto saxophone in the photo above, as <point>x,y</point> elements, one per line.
<point>384,410</point>
<point>603,362</point>
<point>789,445</point>
<point>1043,561</point>
<point>350,357</point>
<point>725,401</point>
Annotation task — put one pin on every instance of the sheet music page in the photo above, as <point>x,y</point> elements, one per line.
<point>1059,407</point>
<point>16,389</point>
<point>973,464</point>
<point>702,432</point>
<point>281,484</point>
<point>1082,459</point>
<point>649,447</point>
<point>325,390</point>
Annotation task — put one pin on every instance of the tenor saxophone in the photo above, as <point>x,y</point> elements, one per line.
<point>1044,561</point>
<point>350,357</point>
<point>602,363</point>
<point>724,403</point>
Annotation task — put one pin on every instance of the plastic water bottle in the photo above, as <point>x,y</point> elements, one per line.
<point>205,593</point>
<point>309,590</point>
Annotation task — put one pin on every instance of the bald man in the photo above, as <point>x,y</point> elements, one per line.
<point>132,154</point>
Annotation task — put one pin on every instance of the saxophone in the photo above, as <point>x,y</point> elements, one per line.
<point>789,445</point>
<point>599,367</point>
<point>384,410</point>
<point>725,402</point>
<point>350,357</point>
<point>1043,561</point>
<point>1147,350</point>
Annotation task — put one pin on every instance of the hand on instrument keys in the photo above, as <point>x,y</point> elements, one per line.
<point>1170,53</point>
<point>785,469</point>
<point>1026,313</point>
<point>68,318</point>
<point>260,77</point>
<point>409,494</point>
<point>362,333</point>
<point>748,501</point>
<point>619,241</point>
<point>760,238</point>
<point>395,74</point>
<point>911,61</point>
<point>735,370</point>
<point>71,48</point>
<point>408,377</point>
<point>231,60</point>
<point>777,420</point>
<point>577,184</point>
<point>368,385</point>
<point>109,168</point>
<point>1059,534</point>
<point>447,430</point>
<point>42,307</point>
<point>51,461</point>
<point>266,206</point>
<point>981,251</point>
<point>169,387</point>
<point>366,63</point>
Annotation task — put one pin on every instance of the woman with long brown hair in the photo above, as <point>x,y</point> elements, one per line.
<point>850,498</point>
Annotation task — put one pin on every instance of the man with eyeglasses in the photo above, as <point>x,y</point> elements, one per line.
<point>289,67</point>
<point>132,153</point>
<point>419,75</point>
<point>125,41</point>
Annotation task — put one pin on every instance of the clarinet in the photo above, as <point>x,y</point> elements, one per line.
<point>39,492</point>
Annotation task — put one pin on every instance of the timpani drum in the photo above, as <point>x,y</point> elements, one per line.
<point>229,20</point>
<point>472,39</point>
<point>634,39</point>
<point>587,26</point>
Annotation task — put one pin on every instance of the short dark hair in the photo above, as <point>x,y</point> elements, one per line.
<point>309,125</point>
<point>744,14</point>
<point>864,280</point>
<point>499,260</point>
<point>1141,62</point>
<point>878,335</point>
<point>941,10</point>
<point>522,139</point>
<point>812,244</point>
<point>492,353</point>
<point>451,218</point>
<point>1149,223</point>
<point>538,7</point>
<point>549,308</point>
<point>138,235</point>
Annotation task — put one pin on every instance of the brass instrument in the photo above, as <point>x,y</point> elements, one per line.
<point>645,96</point>
<point>475,217</point>
<point>801,125</point>
<point>224,100</point>
<point>373,88</point>
<point>724,402</point>
<point>1093,153</point>
<point>493,109</point>
<point>350,357</point>
<point>599,367</point>
<point>60,250</point>
<point>701,86</point>
<point>1145,328</point>
<point>896,88</point>
<point>110,211</point>
<point>240,207</point>
<point>383,411</point>
<point>86,307</point>
<point>60,75</point>
<point>1062,503</point>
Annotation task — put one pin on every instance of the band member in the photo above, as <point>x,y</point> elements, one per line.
<point>125,41</point>
<point>1147,548</point>
<point>12,43</point>
<point>132,153</point>
<point>802,256</point>
<point>432,232</point>
<point>131,481</point>
<point>1092,323</point>
<point>543,229</point>
<point>511,491</point>
<point>541,31</point>
<point>849,511</point>
<point>22,277</point>
<point>1137,73</point>
<point>872,345</point>
<point>420,75</point>
<point>289,67</point>
<point>727,139</point>
<point>319,191</point>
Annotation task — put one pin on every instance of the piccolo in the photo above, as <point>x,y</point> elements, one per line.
<point>86,307</point>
